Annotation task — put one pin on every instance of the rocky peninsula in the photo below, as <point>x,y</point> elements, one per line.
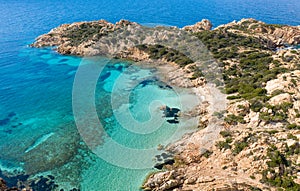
<point>249,72</point>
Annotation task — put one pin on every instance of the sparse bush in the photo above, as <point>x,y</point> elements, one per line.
<point>225,134</point>
<point>291,136</point>
<point>293,126</point>
<point>234,120</point>
<point>283,178</point>
<point>207,154</point>
<point>239,146</point>
<point>279,113</point>
<point>224,144</point>
<point>161,52</point>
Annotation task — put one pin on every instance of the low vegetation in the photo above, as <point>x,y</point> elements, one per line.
<point>279,113</point>
<point>169,54</point>
<point>250,69</point>
<point>82,33</point>
<point>280,172</point>
<point>234,120</point>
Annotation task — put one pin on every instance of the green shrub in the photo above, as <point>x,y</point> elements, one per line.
<point>294,81</point>
<point>248,77</point>
<point>272,132</point>
<point>283,178</point>
<point>256,105</point>
<point>225,134</point>
<point>207,154</point>
<point>238,147</point>
<point>82,33</point>
<point>293,126</point>
<point>291,136</point>
<point>234,120</point>
<point>234,97</point>
<point>161,52</point>
<point>224,144</point>
<point>279,113</point>
<point>293,149</point>
<point>219,115</point>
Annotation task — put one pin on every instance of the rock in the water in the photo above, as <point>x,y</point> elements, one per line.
<point>164,159</point>
<point>165,162</point>
<point>170,112</point>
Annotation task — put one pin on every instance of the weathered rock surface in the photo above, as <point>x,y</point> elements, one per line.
<point>239,108</point>
<point>169,180</point>
<point>84,38</point>
<point>273,35</point>
<point>200,26</point>
<point>280,99</point>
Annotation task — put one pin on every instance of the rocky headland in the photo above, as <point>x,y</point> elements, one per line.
<point>249,74</point>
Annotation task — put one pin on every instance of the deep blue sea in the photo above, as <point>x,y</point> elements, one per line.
<point>38,135</point>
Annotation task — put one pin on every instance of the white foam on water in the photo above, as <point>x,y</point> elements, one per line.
<point>39,141</point>
<point>10,168</point>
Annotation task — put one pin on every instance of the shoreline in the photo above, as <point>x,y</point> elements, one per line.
<point>227,120</point>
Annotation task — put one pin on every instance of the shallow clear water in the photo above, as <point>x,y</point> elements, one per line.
<point>38,133</point>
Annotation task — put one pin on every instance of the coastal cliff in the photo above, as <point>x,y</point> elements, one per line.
<point>84,38</point>
<point>257,142</point>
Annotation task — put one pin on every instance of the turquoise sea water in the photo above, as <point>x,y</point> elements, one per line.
<point>38,134</point>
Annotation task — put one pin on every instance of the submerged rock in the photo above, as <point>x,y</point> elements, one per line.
<point>173,121</point>
<point>43,183</point>
<point>4,121</point>
<point>13,181</point>
<point>46,156</point>
<point>3,186</point>
<point>11,117</point>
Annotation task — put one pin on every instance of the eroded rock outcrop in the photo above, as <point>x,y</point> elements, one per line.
<point>169,180</point>
<point>272,35</point>
<point>81,38</point>
<point>200,26</point>
<point>84,38</point>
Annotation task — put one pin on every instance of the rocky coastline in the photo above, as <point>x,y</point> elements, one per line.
<point>83,38</point>
<point>249,131</point>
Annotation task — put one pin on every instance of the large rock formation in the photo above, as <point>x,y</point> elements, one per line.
<point>200,26</point>
<point>92,38</point>
<point>169,180</point>
<point>273,35</point>
<point>81,38</point>
<point>280,99</point>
